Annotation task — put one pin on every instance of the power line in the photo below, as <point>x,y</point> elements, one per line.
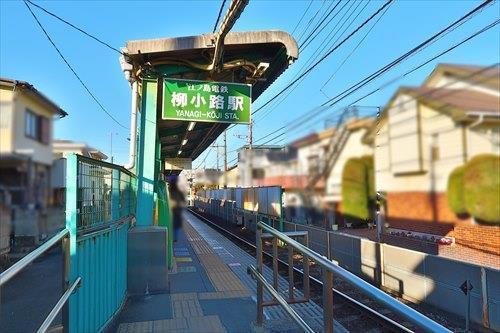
<point>204,159</point>
<point>326,55</point>
<point>219,15</point>
<point>74,26</point>
<point>354,49</point>
<point>302,17</point>
<point>322,47</point>
<point>477,33</point>
<point>311,20</point>
<point>301,120</point>
<point>71,68</point>
<point>310,37</point>
<point>410,53</point>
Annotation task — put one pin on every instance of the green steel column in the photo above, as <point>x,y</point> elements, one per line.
<point>165,218</point>
<point>71,218</point>
<point>115,195</point>
<point>146,154</point>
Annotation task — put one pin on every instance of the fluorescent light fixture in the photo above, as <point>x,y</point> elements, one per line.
<point>191,125</point>
<point>179,152</point>
<point>184,142</point>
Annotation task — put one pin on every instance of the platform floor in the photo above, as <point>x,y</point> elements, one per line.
<point>210,291</point>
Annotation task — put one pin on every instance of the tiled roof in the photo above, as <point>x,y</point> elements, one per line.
<point>465,100</point>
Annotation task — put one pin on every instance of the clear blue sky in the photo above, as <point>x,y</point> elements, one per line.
<point>25,54</point>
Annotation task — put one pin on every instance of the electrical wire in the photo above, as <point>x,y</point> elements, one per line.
<point>74,26</point>
<point>302,17</point>
<point>301,120</point>
<point>322,47</point>
<point>326,55</point>
<point>72,69</point>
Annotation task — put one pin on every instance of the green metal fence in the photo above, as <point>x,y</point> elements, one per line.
<point>100,207</point>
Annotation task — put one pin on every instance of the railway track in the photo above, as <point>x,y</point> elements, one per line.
<point>354,315</point>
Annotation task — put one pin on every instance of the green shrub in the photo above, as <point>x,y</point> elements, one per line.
<point>370,175</point>
<point>355,190</point>
<point>455,191</point>
<point>482,187</point>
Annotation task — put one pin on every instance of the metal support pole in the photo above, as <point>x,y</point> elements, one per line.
<point>260,287</point>
<point>328,250</point>
<point>484,293</point>
<point>290,272</point>
<point>467,309</point>
<point>275,263</point>
<point>65,281</point>
<point>305,260</point>
<point>327,301</point>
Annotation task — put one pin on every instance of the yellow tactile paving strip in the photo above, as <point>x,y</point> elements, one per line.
<point>221,276</point>
<point>186,308</point>
<point>205,324</point>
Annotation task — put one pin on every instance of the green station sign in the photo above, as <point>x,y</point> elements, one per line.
<point>220,102</point>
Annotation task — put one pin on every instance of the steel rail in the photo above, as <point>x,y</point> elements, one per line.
<point>356,303</point>
<point>251,270</point>
<point>59,305</point>
<point>402,309</point>
<point>28,259</point>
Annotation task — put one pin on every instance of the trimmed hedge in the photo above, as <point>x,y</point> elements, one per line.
<point>455,191</point>
<point>355,201</point>
<point>370,174</point>
<point>481,186</point>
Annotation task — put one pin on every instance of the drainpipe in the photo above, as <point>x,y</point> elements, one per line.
<point>133,126</point>
<point>127,69</point>
<point>479,120</point>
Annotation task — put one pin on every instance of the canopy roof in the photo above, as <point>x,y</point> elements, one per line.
<point>244,61</point>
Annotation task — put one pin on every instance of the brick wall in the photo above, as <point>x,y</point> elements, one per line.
<point>424,212</point>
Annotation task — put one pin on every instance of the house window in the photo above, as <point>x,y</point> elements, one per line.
<point>258,174</point>
<point>37,127</point>
<point>313,164</point>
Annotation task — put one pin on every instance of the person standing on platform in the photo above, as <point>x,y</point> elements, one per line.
<point>177,201</point>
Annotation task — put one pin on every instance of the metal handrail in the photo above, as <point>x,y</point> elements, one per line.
<point>295,316</point>
<point>350,299</point>
<point>59,305</point>
<point>401,309</point>
<point>28,259</point>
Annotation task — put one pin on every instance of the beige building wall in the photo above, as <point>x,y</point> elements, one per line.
<point>6,121</point>
<point>354,147</point>
<point>40,152</point>
<point>445,145</point>
<point>450,82</point>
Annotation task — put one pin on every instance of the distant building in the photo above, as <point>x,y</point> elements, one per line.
<point>230,178</point>
<point>423,134</point>
<point>252,163</point>
<point>61,149</point>
<point>26,124</point>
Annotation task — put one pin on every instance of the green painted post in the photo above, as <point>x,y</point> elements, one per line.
<point>71,219</point>
<point>115,195</point>
<point>165,218</point>
<point>146,154</point>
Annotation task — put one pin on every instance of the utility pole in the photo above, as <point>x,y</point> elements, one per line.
<point>248,159</point>
<point>111,145</point>
<point>225,159</point>
<point>250,141</point>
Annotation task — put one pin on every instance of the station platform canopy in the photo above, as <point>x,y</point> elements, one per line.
<point>257,58</point>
